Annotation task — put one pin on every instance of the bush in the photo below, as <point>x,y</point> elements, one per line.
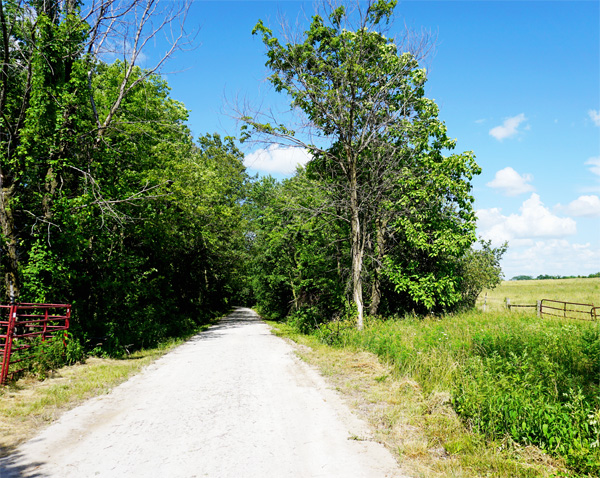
<point>74,352</point>
<point>47,356</point>
<point>305,319</point>
<point>53,354</point>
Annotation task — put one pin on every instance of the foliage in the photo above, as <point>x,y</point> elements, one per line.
<point>404,209</point>
<point>538,388</point>
<point>533,380</point>
<point>295,256</point>
<point>106,202</point>
<point>480,269</point>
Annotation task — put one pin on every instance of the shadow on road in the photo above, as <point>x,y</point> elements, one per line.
<point>240,317</point>
<point>11,468</point>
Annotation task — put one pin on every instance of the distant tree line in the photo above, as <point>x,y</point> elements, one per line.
<point>546,276</point>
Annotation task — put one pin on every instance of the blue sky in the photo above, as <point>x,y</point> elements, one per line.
<point>518,83</point>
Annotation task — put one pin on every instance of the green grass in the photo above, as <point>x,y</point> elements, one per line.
<point>584,291</point>
<point>510,376</point>
<point>420,426</point>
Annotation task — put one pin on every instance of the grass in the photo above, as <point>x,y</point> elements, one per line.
<point>584,291</point>
<point>29,404</point>
<point>418,424</point>
<point>511,377</point>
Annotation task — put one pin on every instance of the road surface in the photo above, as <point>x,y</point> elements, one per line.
<point>233,402</point>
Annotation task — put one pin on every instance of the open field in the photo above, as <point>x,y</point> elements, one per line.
<point>583,291</point>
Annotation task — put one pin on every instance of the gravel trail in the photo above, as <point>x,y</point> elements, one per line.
<point>233,402</point>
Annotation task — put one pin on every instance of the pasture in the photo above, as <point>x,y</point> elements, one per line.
<point>583,291</point>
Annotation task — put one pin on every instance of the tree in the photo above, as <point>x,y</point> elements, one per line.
<point>295,259</point>
<point>480,269</point>
<point>106,202</point>
<point>53,131</point>
<point>365,97</point>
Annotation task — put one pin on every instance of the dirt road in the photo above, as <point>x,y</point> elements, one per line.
<point>234,402</point>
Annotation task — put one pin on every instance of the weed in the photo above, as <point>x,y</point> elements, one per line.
<point>534,381</point>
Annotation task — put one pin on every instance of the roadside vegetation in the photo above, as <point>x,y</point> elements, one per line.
<point>511,377</point>
<point>108,203</point>
<point>419,425</point>
<point>514,381</point>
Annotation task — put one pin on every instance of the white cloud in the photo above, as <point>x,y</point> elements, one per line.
<point>509,128</point>
<point>511,183</point>
<point>595,116</point>
<point>554,256</point>
<point>277,159</point>
<point>594,165</point>
<point>583,206</point>
<point>534,221</point>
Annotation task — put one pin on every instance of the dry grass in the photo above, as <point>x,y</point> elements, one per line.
<point>584,291</point>
<point>422,430</point>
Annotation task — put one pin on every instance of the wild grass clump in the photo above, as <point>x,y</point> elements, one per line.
<point>39,358</point>
<point>518,377</point>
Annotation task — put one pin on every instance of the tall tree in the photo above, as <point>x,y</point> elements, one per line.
<point>51,130</point>
<point>366,98</point>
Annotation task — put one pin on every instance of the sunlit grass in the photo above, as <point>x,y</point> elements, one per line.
<point>584,291</point>
<point>509,375</point>
<point>410,406</point>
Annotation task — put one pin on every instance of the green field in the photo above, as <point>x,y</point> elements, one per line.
<point>584,291</point>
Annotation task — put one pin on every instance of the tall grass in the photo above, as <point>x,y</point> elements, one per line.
<point>534,380</point>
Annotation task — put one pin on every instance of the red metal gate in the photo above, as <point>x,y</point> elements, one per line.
<point>21,326</point>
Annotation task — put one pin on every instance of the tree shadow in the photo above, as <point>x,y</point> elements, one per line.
<point>10,466</point>
<point>240,317</point>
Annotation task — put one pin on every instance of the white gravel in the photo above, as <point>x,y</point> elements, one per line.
<point>234,401</point>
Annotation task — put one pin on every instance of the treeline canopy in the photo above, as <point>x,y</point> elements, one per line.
<point>106,200</point>
<point>389,222</point>
<point>108,203</point>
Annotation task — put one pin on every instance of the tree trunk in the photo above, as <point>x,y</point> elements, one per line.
<point>380,225</point>
<point>357,248</point>
<point>11,262</point>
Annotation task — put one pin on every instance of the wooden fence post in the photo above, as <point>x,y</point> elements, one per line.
<point>485,303</point>
<point>508,303</point>
<point>539,308</point>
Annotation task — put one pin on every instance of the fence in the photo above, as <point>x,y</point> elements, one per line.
<point>548,308</point>
<point>568,310</point>
<point>22,327</point>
